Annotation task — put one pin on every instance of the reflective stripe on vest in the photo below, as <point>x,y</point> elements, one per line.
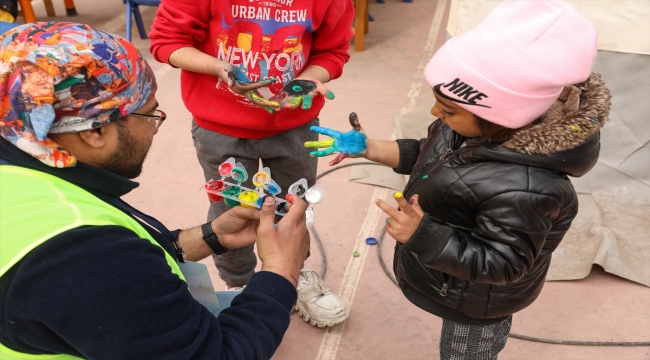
<point>35,206</point>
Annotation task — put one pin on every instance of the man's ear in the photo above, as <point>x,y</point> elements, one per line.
<point>96,138</point>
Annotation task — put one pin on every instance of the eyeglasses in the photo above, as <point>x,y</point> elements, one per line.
<point>158,117</point>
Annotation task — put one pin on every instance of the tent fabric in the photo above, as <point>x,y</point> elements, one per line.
<point>623,25</point>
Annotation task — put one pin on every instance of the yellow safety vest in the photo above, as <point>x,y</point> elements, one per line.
<point>35,207</point>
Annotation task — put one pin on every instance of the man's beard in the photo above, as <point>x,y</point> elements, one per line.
<point>128,158</point>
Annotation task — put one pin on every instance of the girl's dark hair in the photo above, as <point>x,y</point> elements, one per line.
<point>488,129</point>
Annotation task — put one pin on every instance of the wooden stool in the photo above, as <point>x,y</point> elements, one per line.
<point>28,12</point>
<point>360,23</point>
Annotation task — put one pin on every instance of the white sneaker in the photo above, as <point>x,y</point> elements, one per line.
<point>235,288</point>
<point>316,303</point>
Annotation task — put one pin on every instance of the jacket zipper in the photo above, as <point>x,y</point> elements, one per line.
<point>445,286</point>
<point>449,151</point>
<point>443,290</point>
<point>428,168</point>
<point>442,157</point>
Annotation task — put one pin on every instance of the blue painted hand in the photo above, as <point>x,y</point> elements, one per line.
<point>351,144</point>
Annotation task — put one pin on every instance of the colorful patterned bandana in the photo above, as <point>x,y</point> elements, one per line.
<point>63,77</point>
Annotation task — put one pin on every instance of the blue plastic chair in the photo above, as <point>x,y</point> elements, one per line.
<point>5,26</point>
<point>132,11</point>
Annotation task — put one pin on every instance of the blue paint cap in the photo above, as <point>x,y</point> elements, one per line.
<point>371,241</point>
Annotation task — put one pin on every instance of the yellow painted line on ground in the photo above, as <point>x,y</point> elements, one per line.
<point>332,338</point>
<point>348,288</point>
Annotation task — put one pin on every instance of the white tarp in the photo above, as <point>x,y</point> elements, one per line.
<point>623,25</point>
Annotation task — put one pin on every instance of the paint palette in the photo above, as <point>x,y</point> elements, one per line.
<point>232,193</point>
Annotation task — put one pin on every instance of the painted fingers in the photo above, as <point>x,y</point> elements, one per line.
<point>322,153</point>
<point>402,223</point>
<point>328,144</point>
<point>243,87</point>
<point>268,105</point>
<point>326,131</point>
<point>354,122</point>
<point>319,144</point>
<point>351,144</point>
<point>301,92</point>
<point>338,158</point>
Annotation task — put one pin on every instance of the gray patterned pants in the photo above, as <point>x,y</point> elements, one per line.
<point>284,154</point>
<point>473,342</point>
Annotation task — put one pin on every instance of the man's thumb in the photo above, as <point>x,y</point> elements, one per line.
<point>267,213</point>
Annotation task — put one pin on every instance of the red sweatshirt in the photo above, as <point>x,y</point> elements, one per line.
<point>265,38</point>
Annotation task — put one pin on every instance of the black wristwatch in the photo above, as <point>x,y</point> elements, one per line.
<point>211,238</point>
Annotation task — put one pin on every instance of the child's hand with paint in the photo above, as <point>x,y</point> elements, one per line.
<point>301,91</point>
<point>352,144</point>
<point>240,84</point>
<point>401,223</point>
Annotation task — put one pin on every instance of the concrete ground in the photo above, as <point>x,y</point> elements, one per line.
<point>379,83</point>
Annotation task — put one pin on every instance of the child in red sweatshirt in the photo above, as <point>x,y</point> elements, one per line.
<point>270,42</point>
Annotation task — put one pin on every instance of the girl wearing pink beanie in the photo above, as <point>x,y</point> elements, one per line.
<point>489,195</point>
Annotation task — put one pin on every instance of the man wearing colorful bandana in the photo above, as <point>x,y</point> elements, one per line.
<point>82,273</point>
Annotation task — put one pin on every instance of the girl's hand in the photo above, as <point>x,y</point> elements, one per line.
<point>401,224</point>
<point>301,91</point>
<point>352,144</point>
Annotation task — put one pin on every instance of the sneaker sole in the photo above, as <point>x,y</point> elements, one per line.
<point>316,322</point>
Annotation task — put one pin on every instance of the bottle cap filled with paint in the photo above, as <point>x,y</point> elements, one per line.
<point>238,173</point>
<point>298,188</point>
<point>315,194</point>
<point>261,177</point>
<point>234,194</point>
<point>226,167</point>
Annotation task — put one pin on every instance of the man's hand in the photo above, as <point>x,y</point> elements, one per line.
<point>242,85</point>
<point>401,224</point>
<point>282,248</point>
<point>236,227</point>
<point>301,91</point>
<point>352,144</point>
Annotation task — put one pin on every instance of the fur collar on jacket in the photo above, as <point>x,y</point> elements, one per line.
<point>577,115</point>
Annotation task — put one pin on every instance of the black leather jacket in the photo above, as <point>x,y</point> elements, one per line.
<point>494,214</point>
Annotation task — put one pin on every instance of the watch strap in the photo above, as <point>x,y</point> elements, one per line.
<point>211,238</point>
<point>180,254</point>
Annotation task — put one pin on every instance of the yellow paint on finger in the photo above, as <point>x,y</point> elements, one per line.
<point>398,195</point>
<point>319,144</point>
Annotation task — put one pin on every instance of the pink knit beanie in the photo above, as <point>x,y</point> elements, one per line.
<point>511,68</point>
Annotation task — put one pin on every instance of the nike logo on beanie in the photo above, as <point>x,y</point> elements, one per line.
<point>460,92</point>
